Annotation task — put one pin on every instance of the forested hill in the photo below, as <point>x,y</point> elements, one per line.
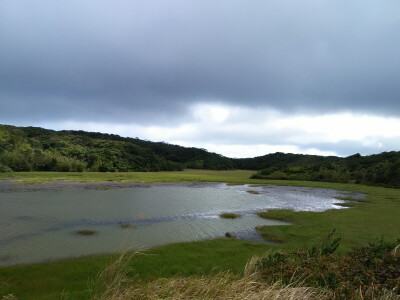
<point>379,169</point>
<point>38,149</point>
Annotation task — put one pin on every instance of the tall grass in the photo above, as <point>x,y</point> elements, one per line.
<point>369,272</point>
<point>115,284</point>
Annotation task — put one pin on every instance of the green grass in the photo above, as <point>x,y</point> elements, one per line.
<point>71,277</point>
<point>232,177</point>
<point>377,216</point>
<point>229,215</point>
<point>253,192</point>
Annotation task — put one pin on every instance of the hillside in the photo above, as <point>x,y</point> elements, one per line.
<point>38,149</point>
<point>379,169</point>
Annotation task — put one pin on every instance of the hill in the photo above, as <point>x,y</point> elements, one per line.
<point>38,149</point>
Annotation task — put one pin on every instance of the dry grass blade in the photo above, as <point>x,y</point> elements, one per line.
<point>114,285</point>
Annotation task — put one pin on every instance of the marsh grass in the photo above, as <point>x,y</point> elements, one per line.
<point>126,225</point>
<point>229,235</point>
<point>113,279</point>
<point>277,214</point>
<point>253,192</point>
<point>113,283</point>
<point>270,237</point>
<point>368,272</point>
<point>377,217</point>
<point>229,215</point>
<point>86,232</point>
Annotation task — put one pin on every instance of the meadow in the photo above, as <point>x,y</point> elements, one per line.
<point>365,221</point>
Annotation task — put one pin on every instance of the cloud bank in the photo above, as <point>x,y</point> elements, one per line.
<point>157,64</point>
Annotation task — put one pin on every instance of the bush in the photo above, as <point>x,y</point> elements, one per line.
<point>366,272</point>
<point>4,169</point>
<point>16,161</point>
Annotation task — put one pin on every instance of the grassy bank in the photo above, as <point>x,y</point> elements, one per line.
<point>372,219</point>
<point>145,177</point>
<point>72,278</point>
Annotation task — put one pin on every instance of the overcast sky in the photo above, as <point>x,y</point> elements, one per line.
<point>240,78</point>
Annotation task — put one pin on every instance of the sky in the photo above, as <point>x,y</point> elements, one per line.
<point>240,78</point>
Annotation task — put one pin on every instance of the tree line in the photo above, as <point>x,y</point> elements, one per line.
<point>38,149</point>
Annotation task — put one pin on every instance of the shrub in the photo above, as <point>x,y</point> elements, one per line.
<point>4,168</point>
<point>366,272</point>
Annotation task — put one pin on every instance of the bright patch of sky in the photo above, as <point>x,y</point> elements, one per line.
<point>245,132</point>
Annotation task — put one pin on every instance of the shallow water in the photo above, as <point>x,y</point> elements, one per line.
<point>38,226</point>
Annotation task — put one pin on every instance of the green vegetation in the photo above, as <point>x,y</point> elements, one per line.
<point>367,272</point>
<point>229,215</point>
<point>235,177</point>
<point>253,192</point>
<point>37,149</point>
<point>115,283</point>
<point>375,217</point>
<point>71,278</point>
<point>280,159</point>
<point>381,169</point>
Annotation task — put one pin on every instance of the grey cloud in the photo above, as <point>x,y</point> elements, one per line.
<point>147,61</point>
<point>349,147</point>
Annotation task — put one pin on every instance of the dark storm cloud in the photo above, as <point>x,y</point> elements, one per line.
<point>142,61</point>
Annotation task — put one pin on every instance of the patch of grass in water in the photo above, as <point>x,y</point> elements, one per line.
<point>229,215</point>
<point>229,235</point>
<point>253,192</point>
<point>126,225</point>
<point>86,232</point>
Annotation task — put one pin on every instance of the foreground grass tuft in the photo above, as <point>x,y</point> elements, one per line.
<point>368,272</point>
<point>113,283</point>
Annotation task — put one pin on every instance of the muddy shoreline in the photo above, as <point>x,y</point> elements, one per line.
<point>9,186</point>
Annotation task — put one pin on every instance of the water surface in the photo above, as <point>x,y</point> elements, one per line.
<point>40,225</point>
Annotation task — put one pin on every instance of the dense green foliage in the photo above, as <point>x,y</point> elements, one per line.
<point>37,149</point>
<point>279,159</point>
<point>371,271</point>
<point>379,169</point>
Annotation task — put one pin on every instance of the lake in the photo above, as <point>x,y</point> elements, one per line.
<point>41,225</point>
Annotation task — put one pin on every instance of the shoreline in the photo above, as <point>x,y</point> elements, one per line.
<point>8,186</point>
